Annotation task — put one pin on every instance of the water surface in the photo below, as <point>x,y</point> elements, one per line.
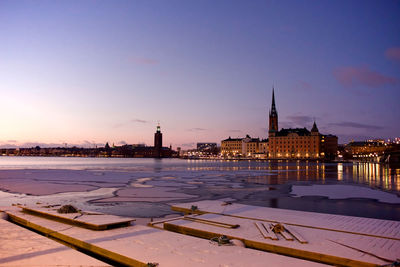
<point>147,187</point>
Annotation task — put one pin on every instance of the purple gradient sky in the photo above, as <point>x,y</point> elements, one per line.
<point>86,72</point>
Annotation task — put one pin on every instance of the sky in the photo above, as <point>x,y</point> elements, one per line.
<point>89,72</point>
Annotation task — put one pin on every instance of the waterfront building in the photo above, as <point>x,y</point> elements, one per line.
<point>156,151</point>
<point>263,148</point>
<point>231,147</point>
<point>365,147</point>
<point>250,146</point>
<point>244,147</point>
<point>206,146</point>
<point>298,142</point>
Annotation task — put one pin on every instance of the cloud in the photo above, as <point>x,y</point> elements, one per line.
<point>144,61</point>
<point>393,53</point>
<point>88,144</point>
<point>34,144</point>
<point>186,145</point>
<point>297,121</point>
<point>300,119</point>
<point>362,76</point>
<point>346,138</point>
<point>197,130</point>
<point>285,124</point>
<point>356,125</point>
<point>85,144</point>
<point>304,86</point>
<point>123,124</point>
<point>11,141</point>
<point>121,143</point>
<point>139,120</point>
<point>234,131</point>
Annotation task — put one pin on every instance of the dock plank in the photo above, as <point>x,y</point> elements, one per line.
<point>94,221</point>
<point>21,247</point>
<point>347,224</point>
<point>265,231</point>
<point>138,245</point>
<point>319,246</point>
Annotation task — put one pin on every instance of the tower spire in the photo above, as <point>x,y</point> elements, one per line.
<point>273,116</point>
<point>273,108</point>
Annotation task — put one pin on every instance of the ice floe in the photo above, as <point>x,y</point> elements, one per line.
<point>343,192</point>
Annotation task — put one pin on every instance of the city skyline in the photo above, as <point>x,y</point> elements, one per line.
<point>86,73</point>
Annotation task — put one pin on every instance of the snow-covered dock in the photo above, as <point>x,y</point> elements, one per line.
<point>138,245</point>
<point>21,247</point>
<point>90,220</point>
<point>338,223</point>
<point>332,239</point>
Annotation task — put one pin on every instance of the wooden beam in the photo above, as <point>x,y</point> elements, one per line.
<point>215,223</point>
<point>266,231</point>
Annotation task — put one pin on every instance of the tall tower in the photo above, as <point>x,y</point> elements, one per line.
<point>273,117</point>
<point>158,143</point>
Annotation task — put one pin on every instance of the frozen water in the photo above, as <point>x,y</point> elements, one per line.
<point>129,187</point>
<point>344,191</point>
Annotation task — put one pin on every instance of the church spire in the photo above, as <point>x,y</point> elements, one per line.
<point>273,116</point>
<point>273,108</point>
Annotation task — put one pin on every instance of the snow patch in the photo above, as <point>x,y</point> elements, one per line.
<point>343,192</point>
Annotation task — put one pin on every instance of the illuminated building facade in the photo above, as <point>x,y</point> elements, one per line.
<point>206,146</point>
<point>244,147</point>
<point>298,143</point>
<point>231,147</point>
<point>366,147</point>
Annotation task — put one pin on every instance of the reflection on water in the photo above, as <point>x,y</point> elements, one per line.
<point>340,171</point>
<point>372,174</point>
<point>376,175</point>
<point>248,182</point>
<point>260,172</point>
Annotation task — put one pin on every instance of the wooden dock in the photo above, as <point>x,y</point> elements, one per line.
<point>21,247</point>
<point>89,220</point>
<point>138,245</point>
<point>338,223</point>
<point>332,239</point>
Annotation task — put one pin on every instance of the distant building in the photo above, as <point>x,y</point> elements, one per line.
<point>250,146</point>
<point>156,151</point>
<point>244,147</point>
<point>298,142</point>
<point>365,147</point>
<point>231,147</point>
<point>158,143</point>
<point>206,146</point>
<point>263,148</point>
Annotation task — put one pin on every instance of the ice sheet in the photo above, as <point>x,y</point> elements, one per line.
<point>343,192</point>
